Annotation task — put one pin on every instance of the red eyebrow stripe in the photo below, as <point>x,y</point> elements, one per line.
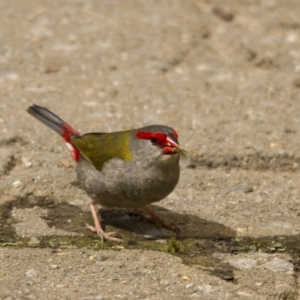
<point>150,135</point>
<point>175,134</point>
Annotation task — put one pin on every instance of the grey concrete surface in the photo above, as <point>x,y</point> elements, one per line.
<point>225,74</point>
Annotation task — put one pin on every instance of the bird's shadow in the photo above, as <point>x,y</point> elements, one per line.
<point>127,222</point>
<point>190,226</point>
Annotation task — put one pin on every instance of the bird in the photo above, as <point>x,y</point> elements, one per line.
<point>122,169</point>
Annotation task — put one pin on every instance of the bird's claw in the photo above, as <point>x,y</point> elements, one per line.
<point>108,236</point>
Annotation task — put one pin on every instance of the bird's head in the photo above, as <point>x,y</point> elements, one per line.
<point>158,141</point>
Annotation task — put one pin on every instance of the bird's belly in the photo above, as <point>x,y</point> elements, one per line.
<point>117,186</point>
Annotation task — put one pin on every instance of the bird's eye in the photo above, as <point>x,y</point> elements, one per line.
<point>154,140</point>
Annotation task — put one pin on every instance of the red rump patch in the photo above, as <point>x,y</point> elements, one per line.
<point>68,131</point>
<point>74,152</point>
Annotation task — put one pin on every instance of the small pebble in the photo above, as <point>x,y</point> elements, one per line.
<point>28,164</point>
<point>33,242</point>
<point>223,13</point>
<point>54,266</point>
<point>31,273</point>
<point>17,183</point>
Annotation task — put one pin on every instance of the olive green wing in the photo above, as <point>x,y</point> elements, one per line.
<point>99,148</point>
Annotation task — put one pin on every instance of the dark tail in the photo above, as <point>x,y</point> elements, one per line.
<point>57,124</point>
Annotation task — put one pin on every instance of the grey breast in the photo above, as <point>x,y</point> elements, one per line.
<point>128,184</point>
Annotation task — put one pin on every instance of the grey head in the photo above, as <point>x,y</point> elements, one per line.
<point>155,144</point>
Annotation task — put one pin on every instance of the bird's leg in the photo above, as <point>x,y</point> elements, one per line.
<point>98,228</point>
<point>159,221</point>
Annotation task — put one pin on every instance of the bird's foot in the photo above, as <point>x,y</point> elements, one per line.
<point>159,221</point>
<point>108,236</point>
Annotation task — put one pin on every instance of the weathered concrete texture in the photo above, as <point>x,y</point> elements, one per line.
<point>107,274</point>
<point>225,75</point>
